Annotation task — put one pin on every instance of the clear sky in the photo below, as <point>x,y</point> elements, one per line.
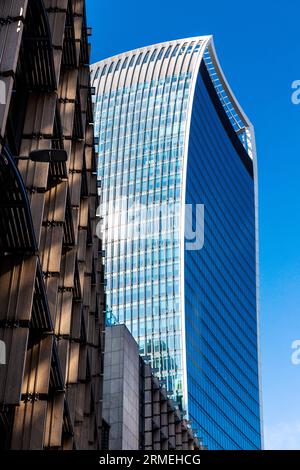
<point>258,44</point>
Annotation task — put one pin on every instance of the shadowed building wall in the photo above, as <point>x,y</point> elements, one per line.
<point>137,409</point>
<point>51,273</point>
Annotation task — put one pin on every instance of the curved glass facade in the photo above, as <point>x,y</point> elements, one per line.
<point>220,284</point>
<point>164,143</point>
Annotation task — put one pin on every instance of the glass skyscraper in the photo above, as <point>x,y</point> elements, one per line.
<point>174,144</point>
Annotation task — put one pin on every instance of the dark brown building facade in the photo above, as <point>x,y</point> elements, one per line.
<point>51,269</point>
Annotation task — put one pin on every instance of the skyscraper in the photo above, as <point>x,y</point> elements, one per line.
<point>175,145</point>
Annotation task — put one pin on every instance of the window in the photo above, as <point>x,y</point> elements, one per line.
<point>131,61</point>
<point>175,51</point>
<point>110,67</point>
<point>160,53</point>
<point>153,55</point>
<point>97,73</point>
<point>146,58</point>
<point>103,70</point>
<point>125,63</point>
<point>139,59</point>
<point>183,48</point>
<point>118,65</point>
<point>168,52</point>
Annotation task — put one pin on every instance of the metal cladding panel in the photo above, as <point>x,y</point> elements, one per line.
<point>35,175</point>
<point>56,5</point>
<point>67,111</point>
<point>68,84</point>
<point>29,425</point>
<point>37,367</point>
<point>75,181</point>
<point>73,363</point>
<point>63,313</point>
<point>11,375</point>
<point>4,108</point>
<point>75,161</point>
<point>17,288</point>
<point>63,347</point>
<point>13,13</point>
<point>37,204</point>
<point>54,419</point>
<point>55,203</point>
<point>51,284</point>
<point>84,213</point>
<point>40,114</point>
<point>68,269</point>
<point>51,246</point>
<point>76,320</point>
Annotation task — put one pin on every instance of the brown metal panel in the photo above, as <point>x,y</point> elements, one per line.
<point>55,410</point>
<point>17,277</point>
<point>10,40</point>
<point>68,84</point>
<point>78,8</point>
<point>37,367</point>
<point>87,291</point>
<point>57,21</point>
<point>63,315</point>
<point>63,347</point>
<point>76,320</point>
<point>82,363</point>
<point>56,4</point>
<point>93,299</point>
<point>51,284</point>
<point>78,20</point>
<point>29,425</point>
<point>73,363</point>
<point>76,156</point>
<point>67,111</point>
<point>80,389</point>
<point>55,203</point>
<point>35,175</point>
<point>37,203</point>
<point>89,135</point>
<point>88,154</point>
<point>81,269</point>
<point>51,246</point>
<point>82,236</point>
<point>40,114</point>
<point>84,213</point>
<point>75,218</point>
<point>11,375</point>
<point>75,180</point>
<point>67,269</point>
<point>71,392</point>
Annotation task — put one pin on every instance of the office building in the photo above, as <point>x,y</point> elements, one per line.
<point>178,177</point>
<point>137,410</point>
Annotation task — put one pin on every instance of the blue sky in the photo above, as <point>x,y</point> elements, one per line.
<point>258,45</point>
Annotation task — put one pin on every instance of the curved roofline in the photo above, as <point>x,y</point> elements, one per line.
<point>238,118</point>
<point>150,47</point>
